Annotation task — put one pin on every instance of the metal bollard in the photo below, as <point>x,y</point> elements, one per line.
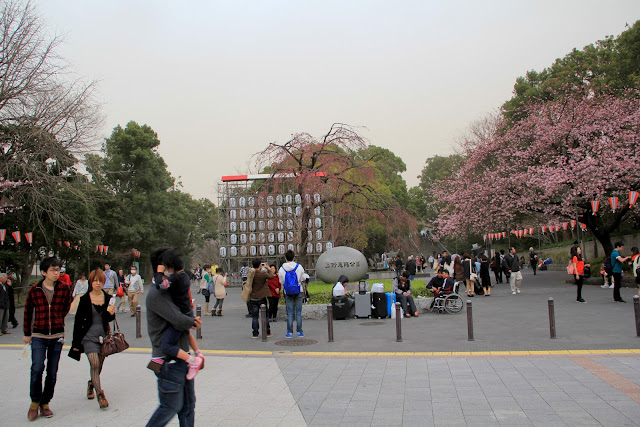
<point>552,319</point>
<point>636,310</point>
<point>199,314</point>
<point>138,322</point>
<point>469,321</point>
<point>398,323</point>
<point>263,321</point>
<point>330,321</point>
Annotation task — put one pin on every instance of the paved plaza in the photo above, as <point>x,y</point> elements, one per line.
<point>512,374</point>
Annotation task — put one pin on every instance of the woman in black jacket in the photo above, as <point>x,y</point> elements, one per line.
<point>95,311</point>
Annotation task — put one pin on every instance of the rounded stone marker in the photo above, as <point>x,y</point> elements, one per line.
<point>341,260</point>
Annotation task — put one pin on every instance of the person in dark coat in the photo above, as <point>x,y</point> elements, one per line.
<point>90,327</point>
<point>485,277</point>
<point>12,303</point>
<point>4,307</point>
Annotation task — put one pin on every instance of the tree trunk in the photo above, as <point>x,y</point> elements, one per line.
<point>27,266</point>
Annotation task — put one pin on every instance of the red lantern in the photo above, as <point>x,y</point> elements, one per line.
<point>573,223</point>
<point>595,204</point>
<point>565,225</point>
<point>633,196</point>
<point>106,249</point>
<point>544,228</point>
<point>29,237</point>
<point>3,233</point>
<point>67,244</point>
<point>504,234</point>
<point>101,247</point>
<point>16,236</point>
<point>531,231</point>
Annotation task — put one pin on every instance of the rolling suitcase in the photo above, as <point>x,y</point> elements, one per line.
<point>363,304</point>
<point>379,302</point>
<point>391,302</point>
<point>341,307</point>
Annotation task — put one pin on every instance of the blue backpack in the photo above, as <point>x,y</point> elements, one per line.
<point>291,285</point>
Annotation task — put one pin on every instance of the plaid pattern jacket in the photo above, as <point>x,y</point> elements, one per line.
<point>47,319</point>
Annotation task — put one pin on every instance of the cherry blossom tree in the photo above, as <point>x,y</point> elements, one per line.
<point>341,167</point>
<point>548,167</point>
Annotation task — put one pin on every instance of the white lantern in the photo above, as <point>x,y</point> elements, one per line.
<point>243,214</point>
<point>329,245</point>
<point>232,202</point>
<point>252,213</point>
<point>243,251</point>
<point>290,247</point>
<point>233,239</point>
<point>270,224</point>
<point>270,213</point>
<point>290,236</point>
<point>289,224</point>
<point>316,198</point>
<point>279,199</point>
<point>271,237</point>
<point>317,211</point>
<point>243,239</point>
<point>280,212</point>
<point>280,224</point>
<point>233,227</point>
<point>263,250</point>
<point>272,250</point>
<point>270,200</point>
<point>261,213</point>
<point>252,237</point>
<point>309,248</point>
<point>281,249</point>
<point>253,251</point>
<point>318,222</point>
<point>252,201</point>
<point>318,235</point>
<point>319,248</point>
<point>261,225</point>
<point>252,226</point>
<point>223,252</point>
<point>262,238</point>
<point>288,199</point>
<point>243,226</point>
<point>281,237</point>
<point>242,202</point>
<point>298,199</point>
<point>233,251</point>
<point>232,214</point>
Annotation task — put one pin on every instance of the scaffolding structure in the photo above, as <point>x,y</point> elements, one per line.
<point>255,222</point>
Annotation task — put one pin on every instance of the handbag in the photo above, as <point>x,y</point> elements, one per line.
<point>205,292</point>
<point>570,268</point>
<point>247,286</point>
<point>120,292</point>
<point>114,342</point>
<point>587,272</point>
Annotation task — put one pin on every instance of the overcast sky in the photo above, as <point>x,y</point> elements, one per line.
<point>219,80</point>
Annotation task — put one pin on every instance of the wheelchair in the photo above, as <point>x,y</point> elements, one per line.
<point>448,301</point>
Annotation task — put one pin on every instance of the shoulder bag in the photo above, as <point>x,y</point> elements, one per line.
<point>114,342</point>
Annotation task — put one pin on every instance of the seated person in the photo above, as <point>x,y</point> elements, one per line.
<point>437,281</point>
<point>402,289</point>
<point>445,286</point>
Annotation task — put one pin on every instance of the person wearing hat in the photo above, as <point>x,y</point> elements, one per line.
<point>111,283</point>
<point>64,277</point>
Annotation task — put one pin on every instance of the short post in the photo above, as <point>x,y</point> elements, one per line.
<point>330,321</point>
<point>636,310</point>
<point>398,323</point>
<point>138,321</point>
<point>469,321</point>
<point>552,319</point>
<point>199,314</point>
<point>263,321</point>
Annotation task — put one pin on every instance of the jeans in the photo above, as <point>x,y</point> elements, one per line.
<point>403,300</point>
<point>534,265</point>
<point>579,282</point>
<point>255,316</point>
<point>294,302</point>
<point>176,394</point>
<point>617,284</point>
<point>41,349</point>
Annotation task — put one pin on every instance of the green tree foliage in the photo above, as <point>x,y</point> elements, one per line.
<point>436,168</point>
<point>611,65</point>
<point>142,206</point>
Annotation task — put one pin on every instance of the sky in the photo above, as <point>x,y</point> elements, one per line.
<point>219,80</point>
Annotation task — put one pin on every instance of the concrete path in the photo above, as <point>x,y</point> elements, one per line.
<point>512,374</point>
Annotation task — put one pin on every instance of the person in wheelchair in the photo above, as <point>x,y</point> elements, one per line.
<point>441,285</point>
<point>402,289</point>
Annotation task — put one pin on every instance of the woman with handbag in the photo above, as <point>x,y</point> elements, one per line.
<point>578,269</point>
<point>469,274</point>
<point>219,291</point>
<point>95,311</point>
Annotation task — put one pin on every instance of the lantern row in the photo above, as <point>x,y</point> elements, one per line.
<point>529,231</point>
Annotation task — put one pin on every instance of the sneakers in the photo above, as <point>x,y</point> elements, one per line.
<point>195,367</point>
<point>621,300</point>
<point>255,336</point>
<point>269,334</point>
<point>45,411</point>
<point>415,314</point>
<point>300,335</point>
<point>518,290</point>
<point>513,293</point>
<point>288,335</point>
<point>581,300</point>
<point>605,286</point>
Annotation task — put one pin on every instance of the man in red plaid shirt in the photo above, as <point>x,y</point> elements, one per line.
<point>48,302</point>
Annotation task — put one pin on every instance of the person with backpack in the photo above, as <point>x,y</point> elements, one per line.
<point>291,277</point>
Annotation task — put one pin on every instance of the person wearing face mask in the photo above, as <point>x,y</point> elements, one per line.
<point>135,288</point>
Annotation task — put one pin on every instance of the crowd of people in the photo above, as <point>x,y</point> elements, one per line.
<point>176,358</point>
